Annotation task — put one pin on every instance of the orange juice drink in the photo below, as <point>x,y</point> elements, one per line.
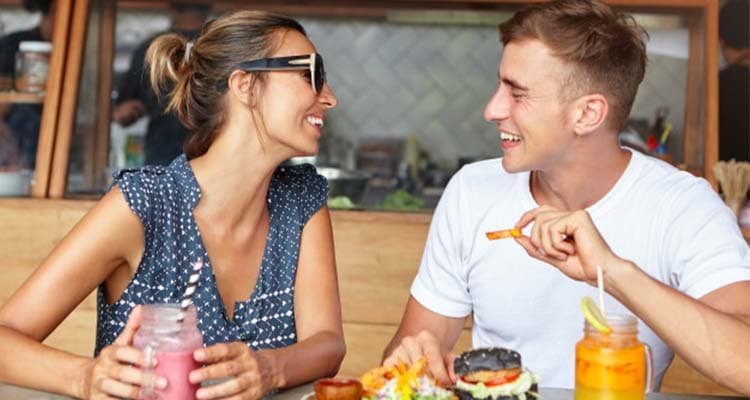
<point>612,366</point>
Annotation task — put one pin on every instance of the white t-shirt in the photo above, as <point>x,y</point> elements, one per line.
<point>669,223</point>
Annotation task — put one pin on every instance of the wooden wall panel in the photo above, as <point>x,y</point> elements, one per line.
<point>377,256</point>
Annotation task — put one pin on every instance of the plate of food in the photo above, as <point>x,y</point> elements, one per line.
<point>483,374</point>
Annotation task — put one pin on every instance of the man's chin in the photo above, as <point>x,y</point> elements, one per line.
<point>512,167</point>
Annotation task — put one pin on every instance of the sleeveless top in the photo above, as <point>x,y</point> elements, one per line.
<point>163,198</point>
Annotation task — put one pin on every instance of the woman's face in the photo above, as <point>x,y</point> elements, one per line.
<point>293,113</point>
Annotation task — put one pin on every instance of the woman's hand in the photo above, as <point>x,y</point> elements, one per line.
<point>243,373</point>
<point>116,372</point>
<point>568,240</point>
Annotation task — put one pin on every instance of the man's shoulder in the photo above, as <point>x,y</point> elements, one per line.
<point>659,180</point>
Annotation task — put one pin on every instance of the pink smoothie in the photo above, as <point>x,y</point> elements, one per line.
<point>175,367</point>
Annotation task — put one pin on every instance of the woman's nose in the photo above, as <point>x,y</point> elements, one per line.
<point>327,97</point>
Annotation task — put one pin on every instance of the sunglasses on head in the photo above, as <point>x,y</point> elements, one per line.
<point>312,62</point>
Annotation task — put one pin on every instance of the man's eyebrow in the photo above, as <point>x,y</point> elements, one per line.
<point>514,84</point>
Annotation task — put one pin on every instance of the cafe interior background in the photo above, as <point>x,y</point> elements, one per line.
<point>411,84</point>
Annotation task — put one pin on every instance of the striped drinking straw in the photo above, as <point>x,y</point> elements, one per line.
<point>187,297</point>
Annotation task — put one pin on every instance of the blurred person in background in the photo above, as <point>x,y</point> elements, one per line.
<point>734,81</point>
<point>22,121</point>
<point>165,134</point>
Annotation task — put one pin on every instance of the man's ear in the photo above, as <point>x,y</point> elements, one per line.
<point>241,85</point>
<point>591,113</point>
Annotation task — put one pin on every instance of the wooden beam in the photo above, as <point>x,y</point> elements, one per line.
<point>711,99</point>
<point>53,93</point>
<point>67,114</point>
<point>107,22</point>
<point>694,90</point>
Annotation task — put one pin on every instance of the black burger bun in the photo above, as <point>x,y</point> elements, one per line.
<point>497,360</point>
<point>486,359</point>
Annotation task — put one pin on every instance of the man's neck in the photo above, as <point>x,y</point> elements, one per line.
<point>579,184</point>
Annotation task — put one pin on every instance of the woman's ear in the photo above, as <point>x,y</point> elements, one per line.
<point>241,86</point>
<point>591,113</point>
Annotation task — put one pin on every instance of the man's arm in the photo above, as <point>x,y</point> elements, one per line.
<point>711,334</point>
<point>424,333</point>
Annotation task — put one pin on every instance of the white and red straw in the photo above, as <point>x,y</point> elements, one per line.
<point>187,297</point>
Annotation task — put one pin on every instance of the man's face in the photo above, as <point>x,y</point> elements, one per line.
<point>527,107</point>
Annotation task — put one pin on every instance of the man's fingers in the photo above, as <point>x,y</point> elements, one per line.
<point>413,350</point>
<point>134,322</point>
<point>436,364</point>
<point>450,358</point>
<point>527,217</point>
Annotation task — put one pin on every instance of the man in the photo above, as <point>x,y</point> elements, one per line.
<point>670,250</point>
<point>23,120</point>
<point>165,134</point>
<point>734,81</point>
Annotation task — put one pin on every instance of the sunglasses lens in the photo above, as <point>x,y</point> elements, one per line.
<point>320,73</point>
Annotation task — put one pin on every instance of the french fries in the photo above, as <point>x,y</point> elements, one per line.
<point>504,234</point>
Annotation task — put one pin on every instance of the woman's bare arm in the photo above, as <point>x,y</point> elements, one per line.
<point>108,237</point>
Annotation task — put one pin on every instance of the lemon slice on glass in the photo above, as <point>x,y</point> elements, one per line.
<point>594,315</point>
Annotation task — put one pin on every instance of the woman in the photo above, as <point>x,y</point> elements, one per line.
<point>251,90</point>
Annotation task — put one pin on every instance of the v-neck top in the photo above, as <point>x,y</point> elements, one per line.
<point>164,198</point>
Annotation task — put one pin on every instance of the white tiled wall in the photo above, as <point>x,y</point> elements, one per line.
<point>431,81</point>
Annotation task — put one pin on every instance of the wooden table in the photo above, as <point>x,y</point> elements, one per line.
<point>8,392</point>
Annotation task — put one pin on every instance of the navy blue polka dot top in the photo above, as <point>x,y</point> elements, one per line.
<point>164,198</point>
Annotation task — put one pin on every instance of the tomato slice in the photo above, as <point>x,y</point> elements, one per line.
<point>508,378</point>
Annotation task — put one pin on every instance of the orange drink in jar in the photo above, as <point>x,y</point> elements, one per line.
<point>613,366</point>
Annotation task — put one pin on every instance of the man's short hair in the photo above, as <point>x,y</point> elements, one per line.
<point>734,24</point>
<point>38,5</point>
<point>605,49</point>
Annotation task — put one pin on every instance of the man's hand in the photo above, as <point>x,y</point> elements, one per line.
<point>424,345</point>
<point>568,240</point>
<point>128,112</point>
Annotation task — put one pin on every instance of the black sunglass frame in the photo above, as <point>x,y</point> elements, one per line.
<point>312,62</point>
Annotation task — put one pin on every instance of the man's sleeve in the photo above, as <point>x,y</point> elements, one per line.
<point>703,243</point>
<point>440,284</point>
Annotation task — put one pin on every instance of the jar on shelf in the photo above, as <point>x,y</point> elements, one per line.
<point>32,64</point>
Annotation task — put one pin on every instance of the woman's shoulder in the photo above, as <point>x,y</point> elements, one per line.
<point>299,187</point>
<point>151,185</point>
<point>301,178</point>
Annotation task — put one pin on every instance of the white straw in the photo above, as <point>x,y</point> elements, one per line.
<point>600,284</point>
<point>187,297</point>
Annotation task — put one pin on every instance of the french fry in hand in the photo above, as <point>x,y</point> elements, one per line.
<point>504,234</point>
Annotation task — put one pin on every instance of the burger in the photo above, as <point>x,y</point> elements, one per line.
<point>493,374</point>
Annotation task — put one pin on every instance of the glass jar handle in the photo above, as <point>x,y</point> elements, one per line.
<point>649,368</point>
<point>147,392</point>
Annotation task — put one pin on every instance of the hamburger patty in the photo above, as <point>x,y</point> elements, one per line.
<point>489,376</point>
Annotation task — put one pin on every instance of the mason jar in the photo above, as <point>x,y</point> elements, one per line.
<point>170,336</point>
<point>32,65</point>
<point>614,366</point>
